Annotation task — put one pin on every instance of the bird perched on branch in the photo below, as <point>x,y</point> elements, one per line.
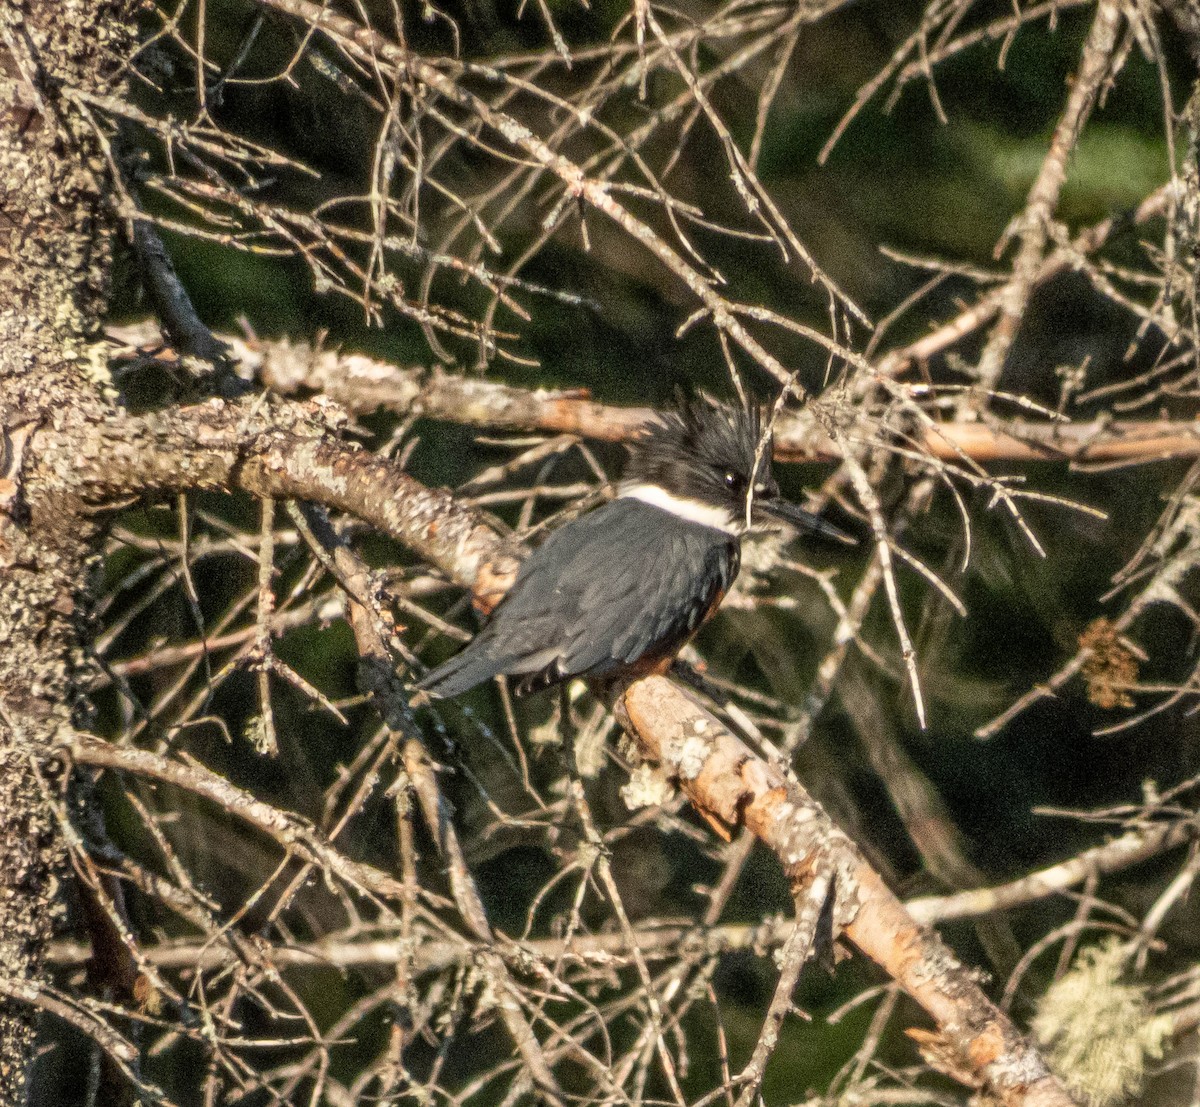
<point>619,591</point>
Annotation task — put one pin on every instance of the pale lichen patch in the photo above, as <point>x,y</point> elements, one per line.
<point>648,786</point>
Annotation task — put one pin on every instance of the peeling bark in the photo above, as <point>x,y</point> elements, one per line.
<point>54,263</point>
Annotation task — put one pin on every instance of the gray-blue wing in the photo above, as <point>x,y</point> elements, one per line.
<point>602,593</point>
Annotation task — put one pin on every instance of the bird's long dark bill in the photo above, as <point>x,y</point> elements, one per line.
<point>802,520</point>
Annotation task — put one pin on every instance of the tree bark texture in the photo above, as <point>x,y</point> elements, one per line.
<point>54,265</point>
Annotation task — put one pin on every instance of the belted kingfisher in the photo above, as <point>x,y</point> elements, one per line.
<point>619,591</point>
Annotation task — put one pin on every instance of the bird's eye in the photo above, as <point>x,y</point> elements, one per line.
<point>734,481</point>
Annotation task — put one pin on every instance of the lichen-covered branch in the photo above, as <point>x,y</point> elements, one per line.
<point>54,268</point>
<point>225,445</point>
<point>363,385</point>
<point>721,775</point>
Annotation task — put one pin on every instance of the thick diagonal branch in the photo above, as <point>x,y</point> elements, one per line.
<point>281,453</point>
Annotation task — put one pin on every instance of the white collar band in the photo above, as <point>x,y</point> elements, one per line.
<point>683,507</point>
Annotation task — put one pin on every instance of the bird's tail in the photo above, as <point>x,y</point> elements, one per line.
<point>461,673</point>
